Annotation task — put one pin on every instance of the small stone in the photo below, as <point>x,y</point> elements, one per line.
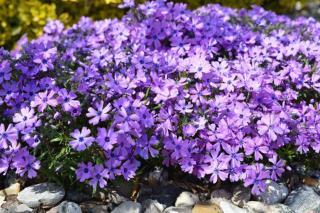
<point>157,176</point>
<point>14,189</point>
<point>22,208</point>
<point>303,199</point>
<point>96,207</point>
<point>210,208</point>
<point>152,206</point>
<point>218,195</point>
<point>11,201</point>
<point>274,193</point>
<point>53,210</point>
<point>46,194</point>
<point>2,198</point>
<point>281,208</point>
<point>116,198</point>
<point>69,207</point>
<point>128,207</point>
<point>99,209</point>
<point>241,195</point>
<point>227,206</point>
<point>186,199</point>
<point>257,207</point>
<point>173,209</point>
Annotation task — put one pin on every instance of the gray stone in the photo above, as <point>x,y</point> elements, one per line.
<point>186,199</point>
<point>128,207</point>
<point>116,198</point>
<point>2,200</point>
<point>69,207</point>
<point>152,206</point>
<point>259,207</point>
<point>281,208</point>
<point>218,195</point>
<point>227,206</point>
<point>177,210</point>
<point>274,193</point>
<point>303,199</point>
<point>241,195</point>
<point>99,209</point>
<point>96,207</point>
<point>3,210</point>
<point>22,208</point>
<point>157,176</point>
<point>46,194</point>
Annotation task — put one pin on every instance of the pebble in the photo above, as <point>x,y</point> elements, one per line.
<point>274,193</point>
<point>303,199</point>
<point>173,209</point>
<point>259,207</point>
<point>2,198</point>
<point>128,207</point>
<point>14,189</point>
<point>206,208</point>
<point>69,207</point>
<point>218,195</point>
<point>241,195</point>
<point>46,194</point>
<point>152,206</point>
<point>116,198</point>
<point>227,206</point>
<point>22,208</point>
<point>186,199</point>
<point>157,176</point>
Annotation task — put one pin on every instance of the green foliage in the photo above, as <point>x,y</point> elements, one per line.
<point>18,17</point>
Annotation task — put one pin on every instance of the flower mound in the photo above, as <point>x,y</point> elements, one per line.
<point>216,92</point>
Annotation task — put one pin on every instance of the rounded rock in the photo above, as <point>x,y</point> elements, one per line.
<point>69,207</point>
<point>274,193</point>
<point>186,199</point>
<point>241,195</point>
<point>128,207</point>
<point>45,194</point>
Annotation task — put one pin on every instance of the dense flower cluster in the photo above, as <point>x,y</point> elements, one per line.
<point>215,91</point>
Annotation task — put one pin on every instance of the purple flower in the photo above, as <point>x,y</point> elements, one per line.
<point>270,125</point>
<point>216,168</point>
<point>99,113</point>
<point>25,118</point>
<point>9,135</point>
<point>26,164</point>
<point>145,147</point>
<point>4,165</point>
<point>257,147</point>
<point>98,176</point>
<point>84,171</point>
<point>66,99</point>
<point>256,176</point>
<point>44,99</point>
<point>5,71</point>
<point>82,140</point>
<point>106,138</point>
